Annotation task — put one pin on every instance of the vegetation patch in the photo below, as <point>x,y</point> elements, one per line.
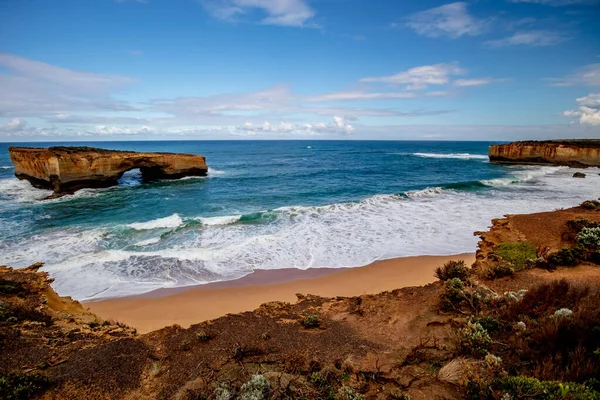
<point>516,254</point>
<point>522,387</point>
<point>311,321</point>
<point>567,257</point>
<point>10,288</point>
<point>496,271</point>
<point>474,340</point>
<point>452,269</point>
<point>590,204</point>
<point>17,387</point>
<point>589,238</point>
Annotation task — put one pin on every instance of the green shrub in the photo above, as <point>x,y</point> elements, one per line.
<point>567,257</point>
<point>522,387</point>
<point>589,238</point>
<point>488,323</point>
<point>347,393</point>
<point>453,294</point>
<point>318,379</point>
<point>474,340</point>
<point>516,254</point>
<point>590,204</point>
<point>311,321</point>
<point>203,336</point>
<point>499,271</point>
<point>10,287</point>
<point>452,269</point>
<point>17,387</point>
<point>257,388</point>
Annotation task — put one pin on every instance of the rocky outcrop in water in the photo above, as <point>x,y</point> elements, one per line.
<point>573,153</point>
<point>68,169</point>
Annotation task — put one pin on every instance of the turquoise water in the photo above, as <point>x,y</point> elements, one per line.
<point>268,205</point>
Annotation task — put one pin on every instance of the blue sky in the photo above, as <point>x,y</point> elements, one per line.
<point>296,69</point>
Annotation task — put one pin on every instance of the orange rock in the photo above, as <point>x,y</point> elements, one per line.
<point>573,153</point>
<point>68,169</point>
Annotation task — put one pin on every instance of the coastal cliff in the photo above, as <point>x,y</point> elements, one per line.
<point>573,153</point>
<point>68,169</point>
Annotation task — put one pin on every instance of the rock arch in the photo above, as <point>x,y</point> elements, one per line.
<point>68,169</point>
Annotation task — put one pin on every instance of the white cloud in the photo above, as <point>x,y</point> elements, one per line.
<point>278,12</point>
<point>16,125</point>
<point>421,77</point>
<point>535,38</point>
<point>337,127</point>
<point>588,112</point>
<point>451,20</point>
<point>476,82</point>
<point>557,3</point>
<point>32,88</point>
<point>588,75</point>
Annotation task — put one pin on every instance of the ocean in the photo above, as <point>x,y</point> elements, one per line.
<point>270,205</point>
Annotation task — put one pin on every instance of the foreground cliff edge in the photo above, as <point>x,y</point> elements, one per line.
<point>573,153</point>
<point>523,322</point>
<point>68,169</point>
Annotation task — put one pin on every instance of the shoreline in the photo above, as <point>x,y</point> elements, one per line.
<point>190,305</point>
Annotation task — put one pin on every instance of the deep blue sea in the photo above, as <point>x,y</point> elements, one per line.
<point>270,205</point>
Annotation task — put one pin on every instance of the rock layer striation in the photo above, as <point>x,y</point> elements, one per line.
<point>68,169</point>
<point>573,153</point>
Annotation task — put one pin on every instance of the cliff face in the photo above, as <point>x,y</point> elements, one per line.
<point>68,169</point>
<point>573,153</point>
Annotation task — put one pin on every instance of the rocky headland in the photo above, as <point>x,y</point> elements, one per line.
<point>68,169</point>
<point>573,153</point>
<point>522,322</point>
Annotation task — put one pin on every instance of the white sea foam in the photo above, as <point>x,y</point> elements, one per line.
<point>21,191</point>
<point>92,263</point>
<point>172,221</point>
<point>458,156</point>
<point>224,220</point>
<point>148,241</point>
<point>212,171</point>
<point>7,167</point>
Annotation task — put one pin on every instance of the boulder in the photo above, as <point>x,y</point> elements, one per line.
<point>578,175</point>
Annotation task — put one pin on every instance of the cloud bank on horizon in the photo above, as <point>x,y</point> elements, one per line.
<point>294,69</point>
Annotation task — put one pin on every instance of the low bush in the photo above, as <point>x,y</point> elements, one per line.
<point>257,388</point>
<point>574,226</point>
<point>567,257</point>
<point>452,269</point>
<point>453,295</point>
<point>347,393</point>
<point>590,204</point>
<point>496,271</point>
<point>311,321</point>
<point>473,340</point>
<point>9,287</point>
<point>516,254</point>
<point>589,238</point>
<point>17,387</point>
<point>522,387</point>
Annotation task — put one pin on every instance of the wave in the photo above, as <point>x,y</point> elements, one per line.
<point>172,221</point>
<point>458,156</point>
<point>148,241</point>
<point>6,167</point>
<point>212,171</point>
<point>224,220</point>
<point>92,263</point>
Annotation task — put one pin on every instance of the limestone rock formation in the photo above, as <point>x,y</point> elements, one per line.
<point>68,169</point>
<point>573,153</point>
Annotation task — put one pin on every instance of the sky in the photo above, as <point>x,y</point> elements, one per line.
<point>299,69</point>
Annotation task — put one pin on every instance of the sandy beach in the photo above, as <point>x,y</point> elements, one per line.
<point>187,306</point>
